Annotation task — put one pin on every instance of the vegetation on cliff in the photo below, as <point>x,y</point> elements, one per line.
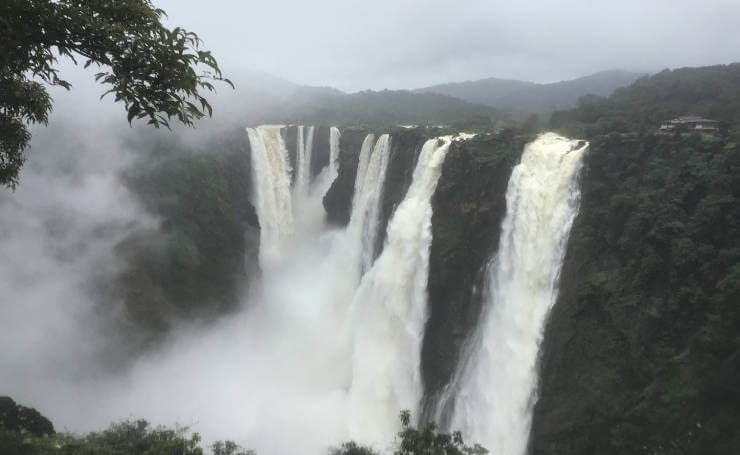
<point>196,264</point>
<point>373,109</point>
<point>641,353</point>
<point>528,97</point>
<point>24,431</point>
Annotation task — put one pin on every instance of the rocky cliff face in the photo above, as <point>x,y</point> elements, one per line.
<point>404,153</point>
<point>290,136</point>
<point>405,148</point>
<point>320,153</point>
<point>338,200</point>
<point>641,353</point>
<point>469,205</point>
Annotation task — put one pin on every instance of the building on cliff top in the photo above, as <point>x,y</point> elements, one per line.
<point>690,122</point>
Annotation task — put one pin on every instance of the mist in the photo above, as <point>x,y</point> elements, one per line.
<point>59,230</point>
<point>242,378</point>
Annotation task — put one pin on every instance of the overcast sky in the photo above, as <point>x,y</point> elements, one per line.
<point>354,45</point>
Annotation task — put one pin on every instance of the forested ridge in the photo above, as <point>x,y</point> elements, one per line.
<point>710,91</point>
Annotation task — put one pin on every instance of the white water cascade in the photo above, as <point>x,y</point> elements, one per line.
<point>389,308</point>
<point>304,145</point>
<point>327,176</point>
<point>304,310</point>
<point>273,202</point>
<point>334,136</point>
<point>496,383</point>
<point>371,169</point>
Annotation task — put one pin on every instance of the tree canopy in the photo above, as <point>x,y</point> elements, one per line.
<point>418,441</point>
<point>157,73</point>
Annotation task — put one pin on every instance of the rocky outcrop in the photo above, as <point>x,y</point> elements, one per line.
<point>290,136</point>
<point>404,153</point>
<point>469,205</point>
<point>641,352</point>
<point>320,153</point>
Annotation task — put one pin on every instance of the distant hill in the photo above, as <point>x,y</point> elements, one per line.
<point>261,98</point>
<point>528,97</point>
<point>710,91</point>
<point>386,107</point>
<point>488,91</point>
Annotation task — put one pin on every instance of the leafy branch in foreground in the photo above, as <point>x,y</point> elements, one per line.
<point>157,73</point>
<point>413,441</point>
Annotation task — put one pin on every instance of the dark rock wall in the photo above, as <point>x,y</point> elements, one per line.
<point>290,136</point>
<point>469,205</point>
<point>320,152</point>
<point>641,353</point>
<point>404,153</point>
<point>338,200</point>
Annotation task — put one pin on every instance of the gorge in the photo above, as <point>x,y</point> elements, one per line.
<point>369,228</point>
<point>414,269</point>
<point>377,305</point>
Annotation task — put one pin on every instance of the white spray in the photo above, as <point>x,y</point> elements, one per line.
<point>496,383</point>
<point>390,310</point>
<point>295,371</point>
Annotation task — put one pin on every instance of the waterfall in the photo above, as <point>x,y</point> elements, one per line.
<point>272,194</point>
<point>305,319</point>
<point>389,308</point>
<point>304,151</point>
<point>369,182</point>
<point>327,175</point>
<point>494,389</point>
<point>334,136</point>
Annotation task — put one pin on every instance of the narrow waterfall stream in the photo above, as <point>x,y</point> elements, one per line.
<point>369,183</point>
<point>303,159</point>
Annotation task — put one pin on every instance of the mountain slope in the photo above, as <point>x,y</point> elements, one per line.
<point>485,91</point>
<point>386,107</point>
<point>549,97</point>
<point>261,98</point>
<point>528,97</point>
